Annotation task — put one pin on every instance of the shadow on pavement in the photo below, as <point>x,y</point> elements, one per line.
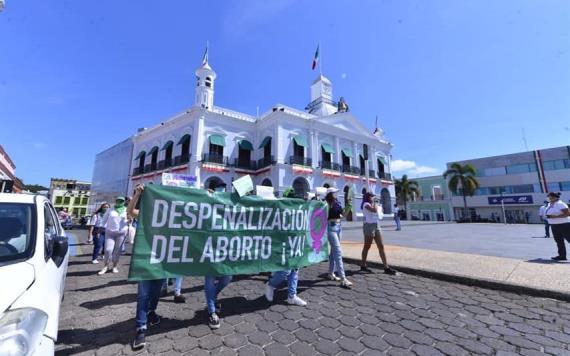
<point>545,261</point>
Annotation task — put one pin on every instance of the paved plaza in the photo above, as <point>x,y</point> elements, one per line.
<point>519,241</point>
<point>401,315</point>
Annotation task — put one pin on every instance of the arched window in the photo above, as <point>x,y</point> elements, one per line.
<point>301,187</point>
<point>153,158</point>
<point>326,185</point>
<point>141,158</point>
<point>267,183</point>
<point>213,183</point>
<point>167,148</point>
<point>386,201</point>
<point>185,149</point>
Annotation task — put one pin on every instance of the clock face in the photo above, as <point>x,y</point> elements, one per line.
<point>327,90</point>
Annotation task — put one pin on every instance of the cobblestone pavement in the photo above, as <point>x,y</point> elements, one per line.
<point>401,315</point>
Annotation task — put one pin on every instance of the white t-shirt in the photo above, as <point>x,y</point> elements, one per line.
<point>96,220</point>
<point>556,209</point>
<point>370,217</point>
<point>115,222</point>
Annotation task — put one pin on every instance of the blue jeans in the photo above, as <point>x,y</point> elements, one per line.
<point>546,228</point>
<point>178,285</point>
<point>397,220</point>
<point>278,277</point>
<point>98,243</point>
<point>212,287</point>
<point>335,258</point>
<point>147,300</point>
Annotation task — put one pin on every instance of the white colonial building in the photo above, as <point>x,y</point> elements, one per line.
<point>284,147</point>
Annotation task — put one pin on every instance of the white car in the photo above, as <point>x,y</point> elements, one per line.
<point>33,264</point>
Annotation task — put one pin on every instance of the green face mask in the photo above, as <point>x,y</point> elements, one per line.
<point>119,204</point>
<point>103,210</point>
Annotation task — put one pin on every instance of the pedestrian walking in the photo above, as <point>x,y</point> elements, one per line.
<point>558,216</point>
<point>372,216</point>
<point>397,217</point>
<point>213,285</point>
<point>527,216</point>
<point>277,279</point>
<point>97,232</point>
<point>334,234</point>
<point>148,291</point>
<point>542,215</point>
<point>115,223</point>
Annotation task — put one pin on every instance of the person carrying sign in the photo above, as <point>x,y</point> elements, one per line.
<point>213,286</point>
<point>148,291</point>
<point>279,277</point>
<point>371,228</point>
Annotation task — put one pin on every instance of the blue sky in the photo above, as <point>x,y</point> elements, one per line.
<point>448,79</point>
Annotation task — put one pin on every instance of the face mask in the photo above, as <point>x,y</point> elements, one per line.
<point>103,210</point>
<point>120,204</point>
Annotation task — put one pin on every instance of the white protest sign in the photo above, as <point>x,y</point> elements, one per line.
<point>264,192</point>
<point>243,185</point>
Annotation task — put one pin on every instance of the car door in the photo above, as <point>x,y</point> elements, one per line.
<point>61,271</point>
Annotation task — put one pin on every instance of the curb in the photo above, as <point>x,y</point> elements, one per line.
<point>475,282</point>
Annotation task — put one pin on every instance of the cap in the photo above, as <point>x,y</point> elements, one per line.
<point>332,190</point>
<point>120,198</point>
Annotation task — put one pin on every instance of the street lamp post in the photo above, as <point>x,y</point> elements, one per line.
<point>503,209</point>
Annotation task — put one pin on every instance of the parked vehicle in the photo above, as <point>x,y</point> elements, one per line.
<point>33,265</point>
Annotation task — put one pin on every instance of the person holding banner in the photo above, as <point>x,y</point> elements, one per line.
<point>372,215</point>
<point>213,286</point>
<point>334,236</point>
<point>115,223</point>
<point>148,291</point>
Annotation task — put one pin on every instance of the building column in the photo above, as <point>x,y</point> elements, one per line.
<point>337,149</point>
<point>315,148</point>
<point>275,142</point>
<point>198,137</point>
<point>355,161</point>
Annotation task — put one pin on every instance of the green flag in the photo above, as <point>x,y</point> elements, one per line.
<point>192,232</point>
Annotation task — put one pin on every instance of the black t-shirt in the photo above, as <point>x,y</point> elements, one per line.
<point>335,211</point>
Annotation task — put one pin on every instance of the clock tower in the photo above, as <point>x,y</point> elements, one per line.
<point>321,97</point>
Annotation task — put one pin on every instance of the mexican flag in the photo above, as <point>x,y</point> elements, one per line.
<point>315,59</point>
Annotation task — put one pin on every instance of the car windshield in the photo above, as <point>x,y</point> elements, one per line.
<point>15,230</point>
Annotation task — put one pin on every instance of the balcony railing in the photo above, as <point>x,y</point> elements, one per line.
<point>265,161</point>
<point>137,171</point>
<point>329,165</point>
<point>384,175</point>
<point>350,169</point>
<point>165,163</point>
<point>147,168</point>
<point>303,161</point>
<point>245,164</point>
<point>214,158</point>
<point>182,159</point>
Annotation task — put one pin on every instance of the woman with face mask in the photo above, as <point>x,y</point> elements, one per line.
<point>116,227</point>
<point>558,216</point>
<point>97,231</point>
<point>336,267</point>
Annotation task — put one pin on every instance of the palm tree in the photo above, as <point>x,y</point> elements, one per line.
<point>462,181</point>
<point>406,189</point>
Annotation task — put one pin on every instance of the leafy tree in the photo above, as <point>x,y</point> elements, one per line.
<point>406,190</point>
<point>461,180</point>
<point>34,188</point>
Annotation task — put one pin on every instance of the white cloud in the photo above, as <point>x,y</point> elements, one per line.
<point>411,168</point>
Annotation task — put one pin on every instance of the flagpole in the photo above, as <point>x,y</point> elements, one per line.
<point>320,59</point>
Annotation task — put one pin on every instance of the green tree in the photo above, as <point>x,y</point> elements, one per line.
<point>461,180</point>
<point>34,188</point>
<point>406,190</point>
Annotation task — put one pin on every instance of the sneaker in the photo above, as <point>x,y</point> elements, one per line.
<point>558,258</point>
<point>365,269</point>
<point>333,277</point>
<point>214,321</point>
<point>139,342</point>
<point>179,298</point>
<point>103,271</point>
<point>389,271</point>
<point>346,283</point>
<point>153,318</point>
<point>115,270</point>
<point>296,301</point>
<point>269,290</point>
<point>95,261</point>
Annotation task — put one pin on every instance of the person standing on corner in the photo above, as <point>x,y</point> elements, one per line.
<point>334,232</point>
<point>372,232</point>
<point>558,216</point>
<point>542,215</point>
<point>397,217</point>
<point>115,223</point>
<point>97,231</point>
<point>148,291</point>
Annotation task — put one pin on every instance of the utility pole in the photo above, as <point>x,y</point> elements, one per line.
<point>503,209</point>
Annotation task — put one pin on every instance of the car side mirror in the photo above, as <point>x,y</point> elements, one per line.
<point>60,245</point>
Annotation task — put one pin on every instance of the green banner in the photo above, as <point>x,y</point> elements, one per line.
<point>192,232</point>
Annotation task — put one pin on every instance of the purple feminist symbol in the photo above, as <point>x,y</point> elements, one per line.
<point>318,227</point>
